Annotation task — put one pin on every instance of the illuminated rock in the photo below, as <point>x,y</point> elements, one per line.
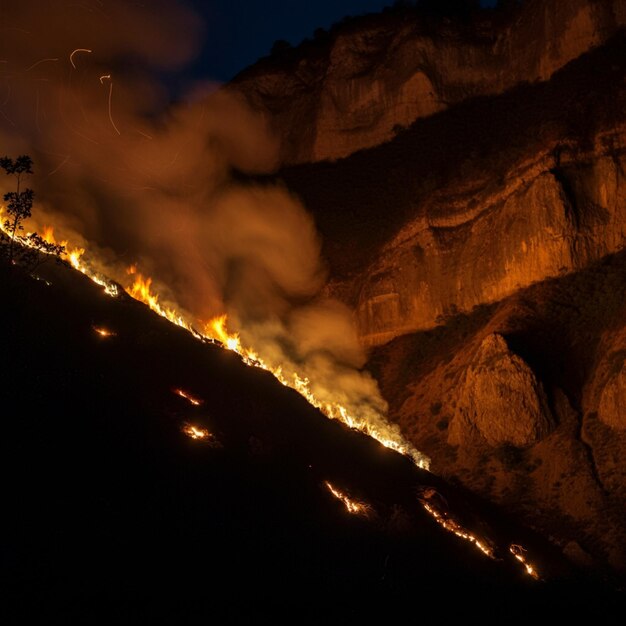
<point>381,74</point>
<point>612,408</point>
<point>501,399</point>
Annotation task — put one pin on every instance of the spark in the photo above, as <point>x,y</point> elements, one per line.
<point>108,78</point>
<point>7,119</point>
<point>185,394</point>
<point>39,63</point>
<point>143,134</point>
<point>59,166</point>
<point>75,51</point>
<point>352,506</point>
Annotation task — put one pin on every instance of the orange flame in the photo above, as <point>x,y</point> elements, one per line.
<point>141,290</point>
<point>519,552</point>
<point>454,527</point>
<point>195,432</point>
<point>352,506</point>
<point>216,329</point>
<point>103,332</point>
<point>185,394</point>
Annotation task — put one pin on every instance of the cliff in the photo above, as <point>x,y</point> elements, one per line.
<point>520,402</point>
<point>482,249</point>
<point>378,74</point>
<point>468,206</point>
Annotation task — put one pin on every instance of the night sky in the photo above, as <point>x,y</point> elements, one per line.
<point>238,32</point>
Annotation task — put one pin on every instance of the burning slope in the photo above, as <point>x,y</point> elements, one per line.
<point>195,508</point>
<point>167,517</point>
<point>215,330</point>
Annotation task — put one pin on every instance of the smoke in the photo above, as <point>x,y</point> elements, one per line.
<point>81,91</point>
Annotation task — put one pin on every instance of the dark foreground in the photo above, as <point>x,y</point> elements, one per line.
<point>111,514</point>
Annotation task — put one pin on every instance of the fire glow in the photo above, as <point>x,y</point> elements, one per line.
<point>454,527</point>
<point>519,552</point>
<point>103,332</point>
<point>187,396</point>
<point>352,506</point>
<point>195,432</point>
<point>216,331</point>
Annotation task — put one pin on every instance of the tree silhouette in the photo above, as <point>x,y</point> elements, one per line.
<point>19,204</point>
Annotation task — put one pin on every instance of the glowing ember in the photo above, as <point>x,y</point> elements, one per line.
<point>428,500</point>
<point>187,396</point>
<point>519,552</point>
<point>103,332</point>
<point>352,506</point>
<point>196,432</point>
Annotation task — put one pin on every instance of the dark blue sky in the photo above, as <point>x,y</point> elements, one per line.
<point>241,31</point>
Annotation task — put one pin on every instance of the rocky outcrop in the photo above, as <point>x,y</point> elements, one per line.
<point>380,74</point>
<point>612,407</point>
<point>480,246</point>
<point>500,399</point>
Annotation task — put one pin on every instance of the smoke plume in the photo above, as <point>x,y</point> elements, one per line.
<point>142,181</point>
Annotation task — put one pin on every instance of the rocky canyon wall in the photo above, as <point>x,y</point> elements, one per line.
<point>375,76</point>
<point>546,219</point>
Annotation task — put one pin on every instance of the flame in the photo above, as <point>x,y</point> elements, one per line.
<point>185,394</point>
<point>195,432</point>
<point>454,527</point>
<point>519,552</point>
<point>352,506</point>
<point>104,332</point>
<point>141,290</point>
<point>216,329</point>
<point>73,255</point>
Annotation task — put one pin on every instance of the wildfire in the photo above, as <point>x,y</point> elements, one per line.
<point>195,432</point>
<point>216,329</point>
<point>185,394</point>
<point>454,527</point>
<point>73,255</point>
<point>352,506</point>
<point>519,552</point>
<point>104,332</point>
<point>141,290</point>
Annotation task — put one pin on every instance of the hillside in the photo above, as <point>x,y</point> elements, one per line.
<point>113,514</point>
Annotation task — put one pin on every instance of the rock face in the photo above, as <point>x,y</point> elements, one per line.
<point>377,75</point>
<point>478,247</point>
<point>501,399</point>
<point>612,407</point>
